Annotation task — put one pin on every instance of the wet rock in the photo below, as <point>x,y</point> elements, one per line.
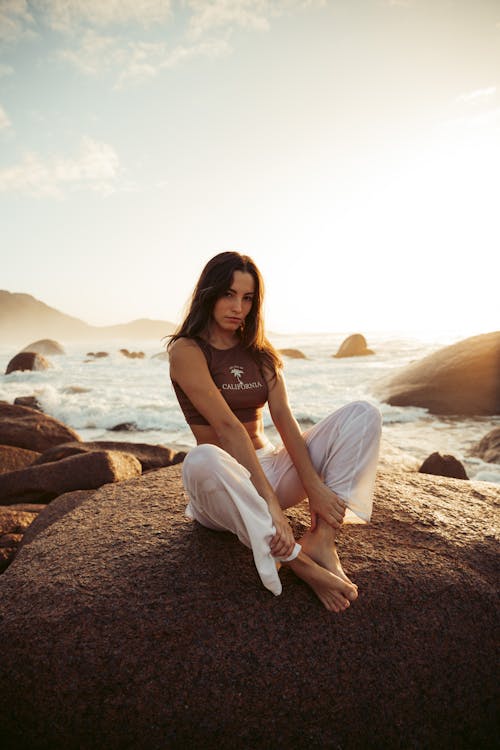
<point>28,428</point>
<point>43,482</point>
<point>45,346</point>
<point>461,379</point>
<point>444,466</point>
<point>98,355</point>
<point>353,346</point>
<point>12,458</point>
<point>292,353</point>
<point>488,448</point>
<point>153,622</point>
<point>30,401</point>
<point>150,456</point>
<point>132,355</point>
<point>124,427</point>
<point>27,361</point>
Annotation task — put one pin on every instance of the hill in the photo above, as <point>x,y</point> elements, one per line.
<point>24,318</point>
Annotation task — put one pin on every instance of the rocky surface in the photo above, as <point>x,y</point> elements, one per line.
<point>488,447</point>
<point>150,456</point>
<point>27,361</point>
<point>88,471</point>
<point>292,353</point>
<point>12,458</point>
<point>28,428</point>
<point>354,346</point>
<point>124,625</point>
<point>461,379</point>
<point>30,401</point>
<point>444,466</point>
<point>45,346</point>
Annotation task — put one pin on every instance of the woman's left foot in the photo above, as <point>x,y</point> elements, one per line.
<point>320,546</point>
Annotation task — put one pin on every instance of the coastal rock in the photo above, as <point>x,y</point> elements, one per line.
<point>30,401</point>
<point>292,353</point>
<point>124,427</point>
<point>45,346</point>
<point>132,355</point>
<point>354,346</point>
<point>27,361</point>
<point>12,458</point>
<point>461,379</point>
<point>150,456</point>
<point>444,466</point>
<point>98,355</point>
<point>136,625</point>
<point>28,428</point>
<point>54,511</point>
<point>85,472</point>
<point>488,448</point>
<point>14,521</point>
<point>161,355</point>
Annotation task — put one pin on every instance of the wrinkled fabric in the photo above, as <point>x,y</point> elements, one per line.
<point>344,451</point>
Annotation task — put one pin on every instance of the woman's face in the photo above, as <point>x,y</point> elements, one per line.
<point>232,308</point>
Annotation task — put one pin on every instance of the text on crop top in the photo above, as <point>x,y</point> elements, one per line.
<point>238,378</point>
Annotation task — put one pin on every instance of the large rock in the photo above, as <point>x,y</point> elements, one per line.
<point>45,346</point>
<point>488,448</point>
<point>124,625</point>
<point>292,353</point>
<point>29,428</point>
<point>150,456</point>
<point>84,472</point>
<point>444,466</point>
<point>12,458</point>
<point>354,346</point>
<point>27,361</point>
<point>461,379</point>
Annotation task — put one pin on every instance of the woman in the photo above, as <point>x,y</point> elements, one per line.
<point>223,371</point>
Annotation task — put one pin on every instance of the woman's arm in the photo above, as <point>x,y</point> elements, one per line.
<point>188,368</point>
<point>323,501</point>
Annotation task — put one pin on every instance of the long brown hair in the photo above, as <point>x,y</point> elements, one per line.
<point>215,279</point>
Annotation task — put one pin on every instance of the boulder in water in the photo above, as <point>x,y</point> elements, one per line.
<point>461,379</point>
<point>27,361</point>
<point>488,448</point>
<point>354,346</point>
<point>444,466</point>
<point>28,428</point>
<point>45,346</point>
<point>292,353</point>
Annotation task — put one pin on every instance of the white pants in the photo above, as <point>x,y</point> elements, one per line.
<point>344,451</point>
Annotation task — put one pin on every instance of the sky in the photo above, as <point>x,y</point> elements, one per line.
<point>350,147</point>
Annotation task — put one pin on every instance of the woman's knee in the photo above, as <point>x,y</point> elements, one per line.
<point>201,460</point>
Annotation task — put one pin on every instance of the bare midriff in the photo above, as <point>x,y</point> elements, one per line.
<point>207,434</point>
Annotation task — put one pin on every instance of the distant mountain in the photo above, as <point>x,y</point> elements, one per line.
<point>24,319</point>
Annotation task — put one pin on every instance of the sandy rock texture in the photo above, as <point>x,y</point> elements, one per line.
<point>28,428</point>
<point>488,447</point>
<point>125,625</point>
<point>463,378</point>
<point>43,482</point>
<point>15,520</point>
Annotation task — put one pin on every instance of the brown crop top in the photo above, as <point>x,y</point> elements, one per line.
<point>237,377</point>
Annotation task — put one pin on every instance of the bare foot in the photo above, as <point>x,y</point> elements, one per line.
<point>320,546</point>
<point>335,593</point>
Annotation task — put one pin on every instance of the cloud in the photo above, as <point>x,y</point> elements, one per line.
<point>69,15</point>
<point>5,123</point>
<point>476,95</point>
<point>95,168</point>
<point>5,70</point>
<point>15,20</point>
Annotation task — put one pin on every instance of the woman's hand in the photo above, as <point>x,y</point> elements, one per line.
<point>283,542</point>
<point>323,502</point>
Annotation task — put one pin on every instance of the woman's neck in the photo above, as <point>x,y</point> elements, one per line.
<point>221,339</point>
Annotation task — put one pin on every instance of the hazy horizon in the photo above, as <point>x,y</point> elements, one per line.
<point>352,149</point>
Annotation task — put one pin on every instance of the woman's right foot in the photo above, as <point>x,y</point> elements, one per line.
<point>334,592</point>
<point>320,546</point>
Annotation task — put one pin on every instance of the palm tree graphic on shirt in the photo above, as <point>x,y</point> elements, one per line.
<point>237,371</point>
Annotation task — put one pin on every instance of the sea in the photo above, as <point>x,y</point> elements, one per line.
<point>93,395</point>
